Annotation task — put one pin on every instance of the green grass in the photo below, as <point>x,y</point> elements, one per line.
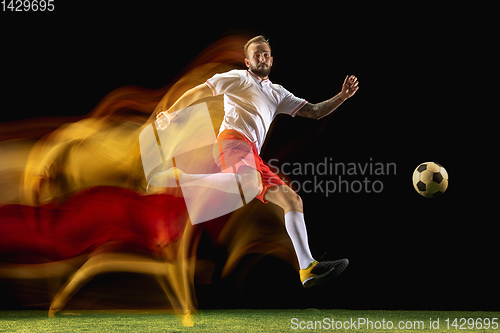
<point>216,321</point>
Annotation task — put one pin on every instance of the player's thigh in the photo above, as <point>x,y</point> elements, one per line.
<point>250,179</point>
<point>230,155</point>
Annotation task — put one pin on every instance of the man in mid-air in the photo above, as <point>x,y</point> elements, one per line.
<point>251,102</point>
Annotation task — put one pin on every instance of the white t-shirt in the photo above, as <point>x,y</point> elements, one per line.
<point>250,103</point>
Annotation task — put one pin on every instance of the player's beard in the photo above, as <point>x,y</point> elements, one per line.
<point>261,71</point>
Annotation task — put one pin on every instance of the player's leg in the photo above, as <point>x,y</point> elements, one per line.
<point>174,177</point>
<point>311,271</point>
<point>243,179</point>
<point>236,158</point>
<point>295,225</point>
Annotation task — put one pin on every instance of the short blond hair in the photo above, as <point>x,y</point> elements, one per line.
<point>256,39</point>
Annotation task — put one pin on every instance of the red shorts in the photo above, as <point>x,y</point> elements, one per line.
<point>235,151</point>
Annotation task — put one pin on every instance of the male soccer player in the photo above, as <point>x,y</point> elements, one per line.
<point>251,102</point>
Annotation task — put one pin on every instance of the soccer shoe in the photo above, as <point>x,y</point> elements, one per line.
<point>318,272</point>
<point>166,178</point>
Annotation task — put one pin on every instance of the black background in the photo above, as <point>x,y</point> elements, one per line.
<point>414,105</point>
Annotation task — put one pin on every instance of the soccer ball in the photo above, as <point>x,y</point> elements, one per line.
<point>430,179</point>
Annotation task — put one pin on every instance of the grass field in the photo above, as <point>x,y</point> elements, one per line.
<point>215,321</point>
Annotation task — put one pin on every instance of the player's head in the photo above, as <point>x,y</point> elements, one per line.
<point>258,56</point>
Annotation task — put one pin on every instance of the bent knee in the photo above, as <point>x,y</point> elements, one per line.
<point>251,183</point>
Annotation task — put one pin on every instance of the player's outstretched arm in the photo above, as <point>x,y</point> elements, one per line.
<point>323,109</point>
<point>189,97</point>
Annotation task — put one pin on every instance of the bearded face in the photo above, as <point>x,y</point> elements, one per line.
<point>262,70</point>
<point>259,59</point>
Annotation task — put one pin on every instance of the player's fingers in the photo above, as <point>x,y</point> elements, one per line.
<point>351,85</point>
<point>163,121</point>
<point>162,124</point>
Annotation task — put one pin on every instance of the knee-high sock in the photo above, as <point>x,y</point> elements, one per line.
<point>226,182</point>
<point>296,228</point>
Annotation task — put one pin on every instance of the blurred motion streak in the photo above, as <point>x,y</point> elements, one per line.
<point>74,205</point>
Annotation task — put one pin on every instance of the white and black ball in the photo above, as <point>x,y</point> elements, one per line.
<point>430,179</point>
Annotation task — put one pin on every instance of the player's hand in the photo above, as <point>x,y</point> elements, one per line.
<point>163,120</point>
<point>349,87</point>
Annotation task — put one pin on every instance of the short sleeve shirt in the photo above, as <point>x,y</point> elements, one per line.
<point>251,104</point>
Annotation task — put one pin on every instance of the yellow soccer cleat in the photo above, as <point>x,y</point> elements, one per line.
<point>318,272</point>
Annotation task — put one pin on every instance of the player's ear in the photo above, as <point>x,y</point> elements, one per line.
<point>247,63</point>
<point>271,61</point>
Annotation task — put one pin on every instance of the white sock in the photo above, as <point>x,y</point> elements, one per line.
<point>296,228</point>
<point>226,182</point>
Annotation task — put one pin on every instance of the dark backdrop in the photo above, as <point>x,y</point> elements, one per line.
<point>413,106</point>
